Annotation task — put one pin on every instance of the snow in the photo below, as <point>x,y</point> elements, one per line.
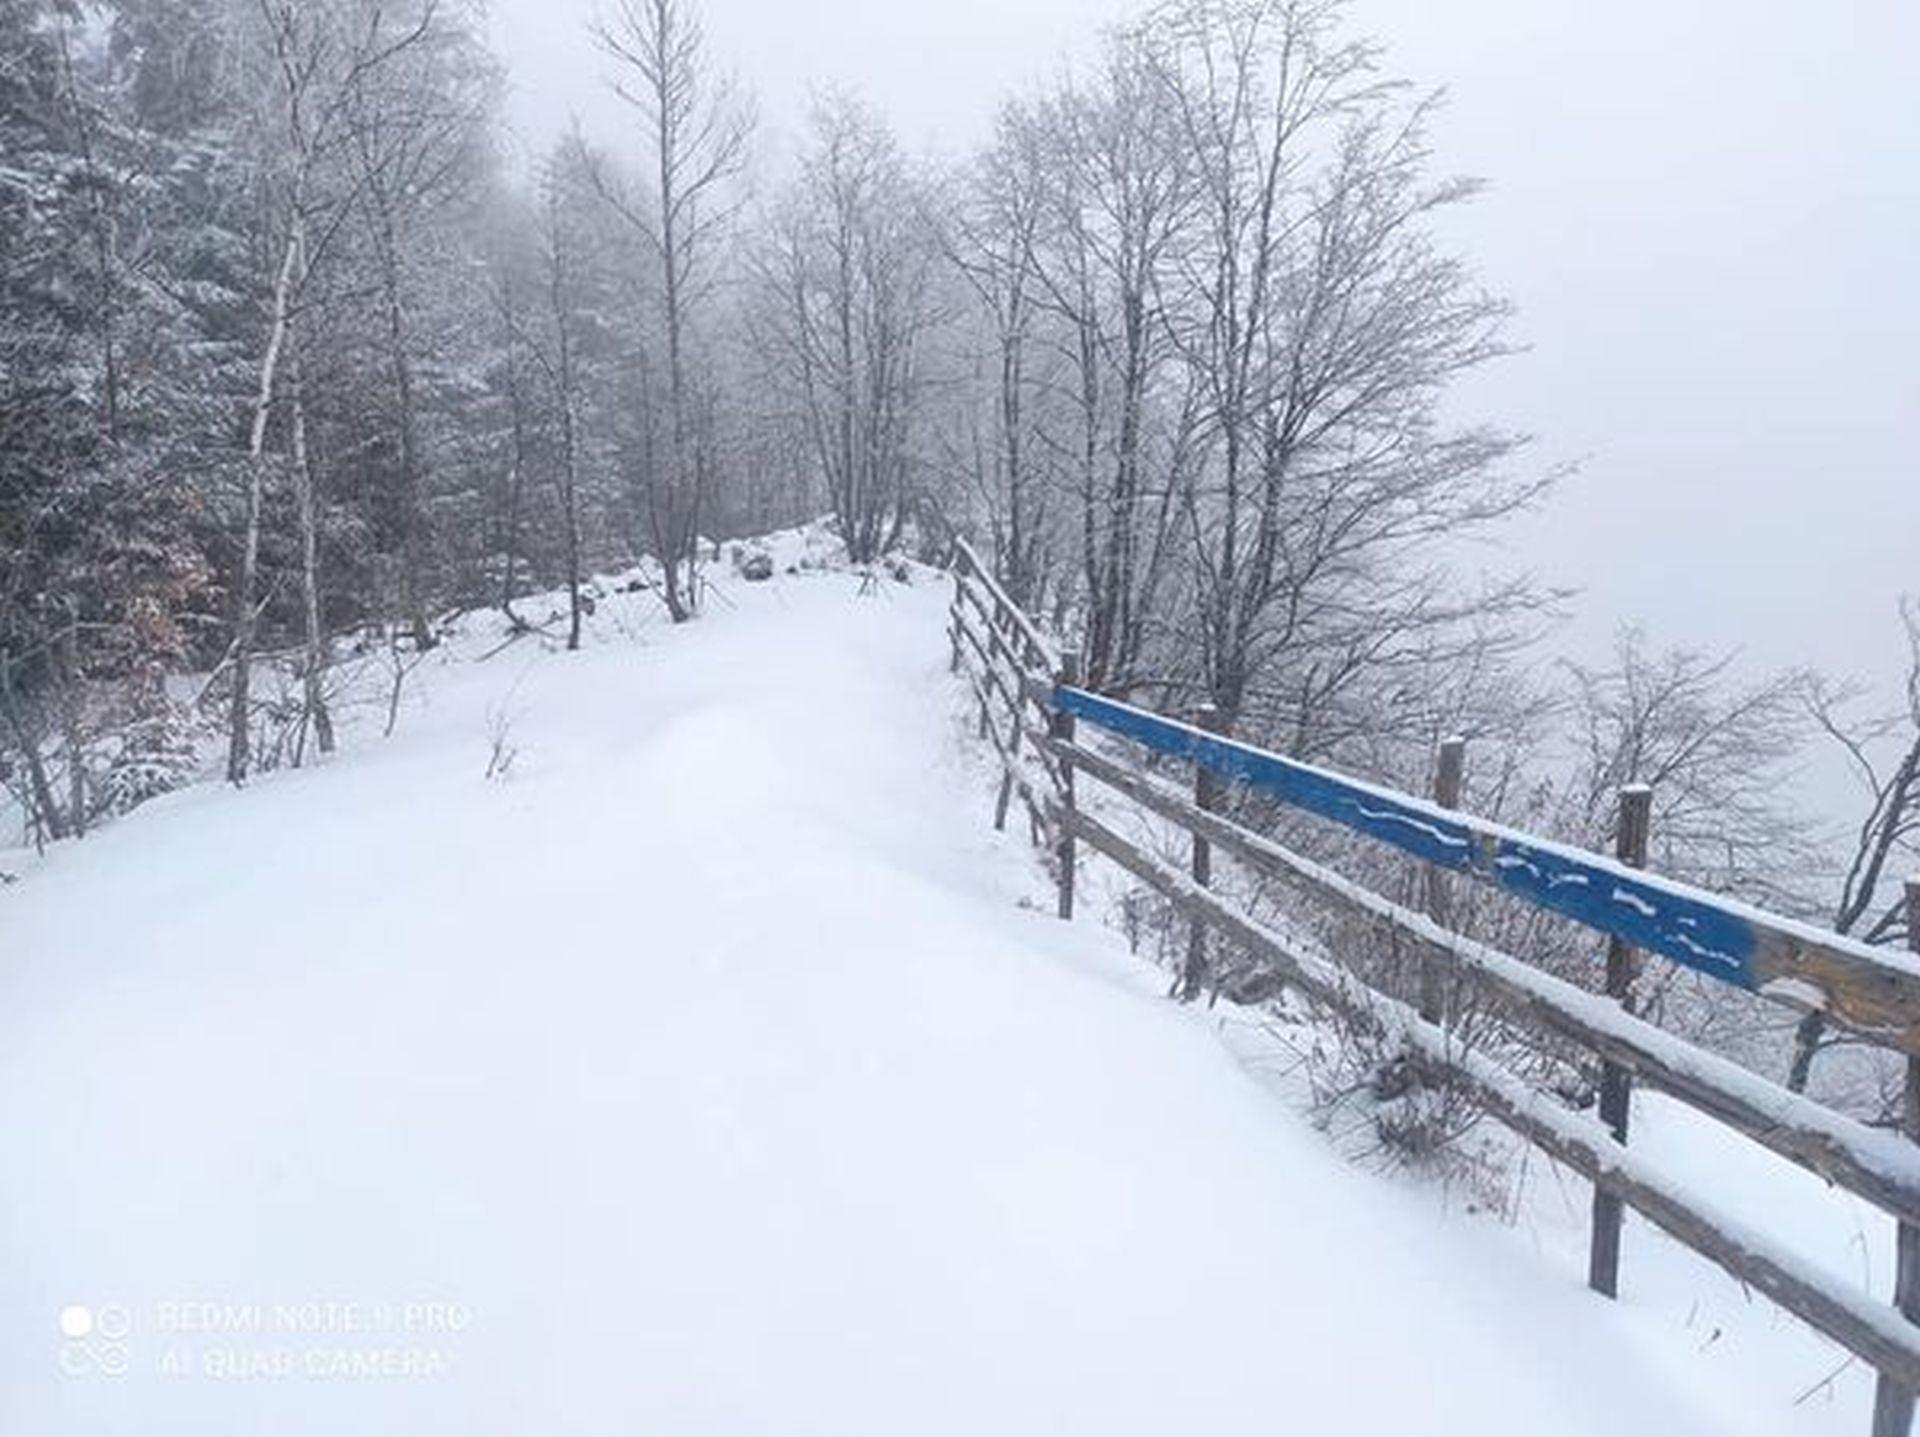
<point>1433,833</point>
<point>716,1070</point>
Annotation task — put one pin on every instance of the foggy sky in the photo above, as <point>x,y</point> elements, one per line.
<point>1707,212</point>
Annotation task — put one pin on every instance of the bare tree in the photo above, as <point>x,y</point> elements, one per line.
<point>849,263</point>
<point>416,125</point>
<point>1122,204</point>
<point>1715,749</point>
<point>557,361</point>
<point>990,236</point>
<point>508,521</point>
<point>1323,327</point>
<point>696,130</point>
<point>314,666</point>
<point>320,53</point>
<point>1883,753</point>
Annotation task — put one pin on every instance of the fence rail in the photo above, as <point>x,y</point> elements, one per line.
<point>1870,990</point>
<point>1030,705</point>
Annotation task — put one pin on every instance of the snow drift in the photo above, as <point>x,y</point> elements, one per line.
<point>707,1069</point>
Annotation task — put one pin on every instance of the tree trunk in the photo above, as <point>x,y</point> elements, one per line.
<point>562,376</point>
<point>313,679</point>
<point>239,714</point>
<point>70,731</point>
<point>407,495</point>
<point>51,819</point>
<point>516,474</point>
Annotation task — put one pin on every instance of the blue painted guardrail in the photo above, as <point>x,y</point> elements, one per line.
<point>1874,989</point>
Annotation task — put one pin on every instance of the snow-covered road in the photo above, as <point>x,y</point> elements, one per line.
<point>704,1075</point>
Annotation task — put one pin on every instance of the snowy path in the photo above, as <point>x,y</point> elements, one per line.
<point>708,1077</point>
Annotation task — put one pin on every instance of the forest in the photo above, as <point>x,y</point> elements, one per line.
<point>298,357</point>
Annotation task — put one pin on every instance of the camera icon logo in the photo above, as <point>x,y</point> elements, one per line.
<point>94,1340</point>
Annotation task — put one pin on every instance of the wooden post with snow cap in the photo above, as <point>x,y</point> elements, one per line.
<point>1616,1087</point>
<point>1205,797</point>
<point>1005,795</point>
<point>1893,1403</point>
<point>994,625</point>
<point>1060,726</point>
<point>1021,658</point>
<point>1447,779</point>
<point>953,614</point>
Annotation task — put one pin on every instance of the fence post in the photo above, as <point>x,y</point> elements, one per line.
<point>1032,661</point>
<point>953,614</point>
<point>1016,726</point>
<point>986,664</point>
<point>1616,1088</point>
<point>1006,773</point>
<point>1447,779</point>
<point>1205,796</point>
<point>1892,1403</point>
<point>1060,726</point>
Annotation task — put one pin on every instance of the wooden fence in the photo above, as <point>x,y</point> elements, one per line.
<point>1031,708</point>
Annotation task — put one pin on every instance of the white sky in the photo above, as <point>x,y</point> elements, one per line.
<point>1707,211</point>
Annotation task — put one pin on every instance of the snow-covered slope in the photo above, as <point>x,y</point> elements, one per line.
<point>705,1074</point>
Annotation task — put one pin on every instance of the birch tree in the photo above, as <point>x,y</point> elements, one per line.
<point>319,55</point>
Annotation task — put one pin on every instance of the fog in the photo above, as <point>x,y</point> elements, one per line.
<point>1706,214</point>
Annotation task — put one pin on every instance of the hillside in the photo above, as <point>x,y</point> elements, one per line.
<point>710,1070</point>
